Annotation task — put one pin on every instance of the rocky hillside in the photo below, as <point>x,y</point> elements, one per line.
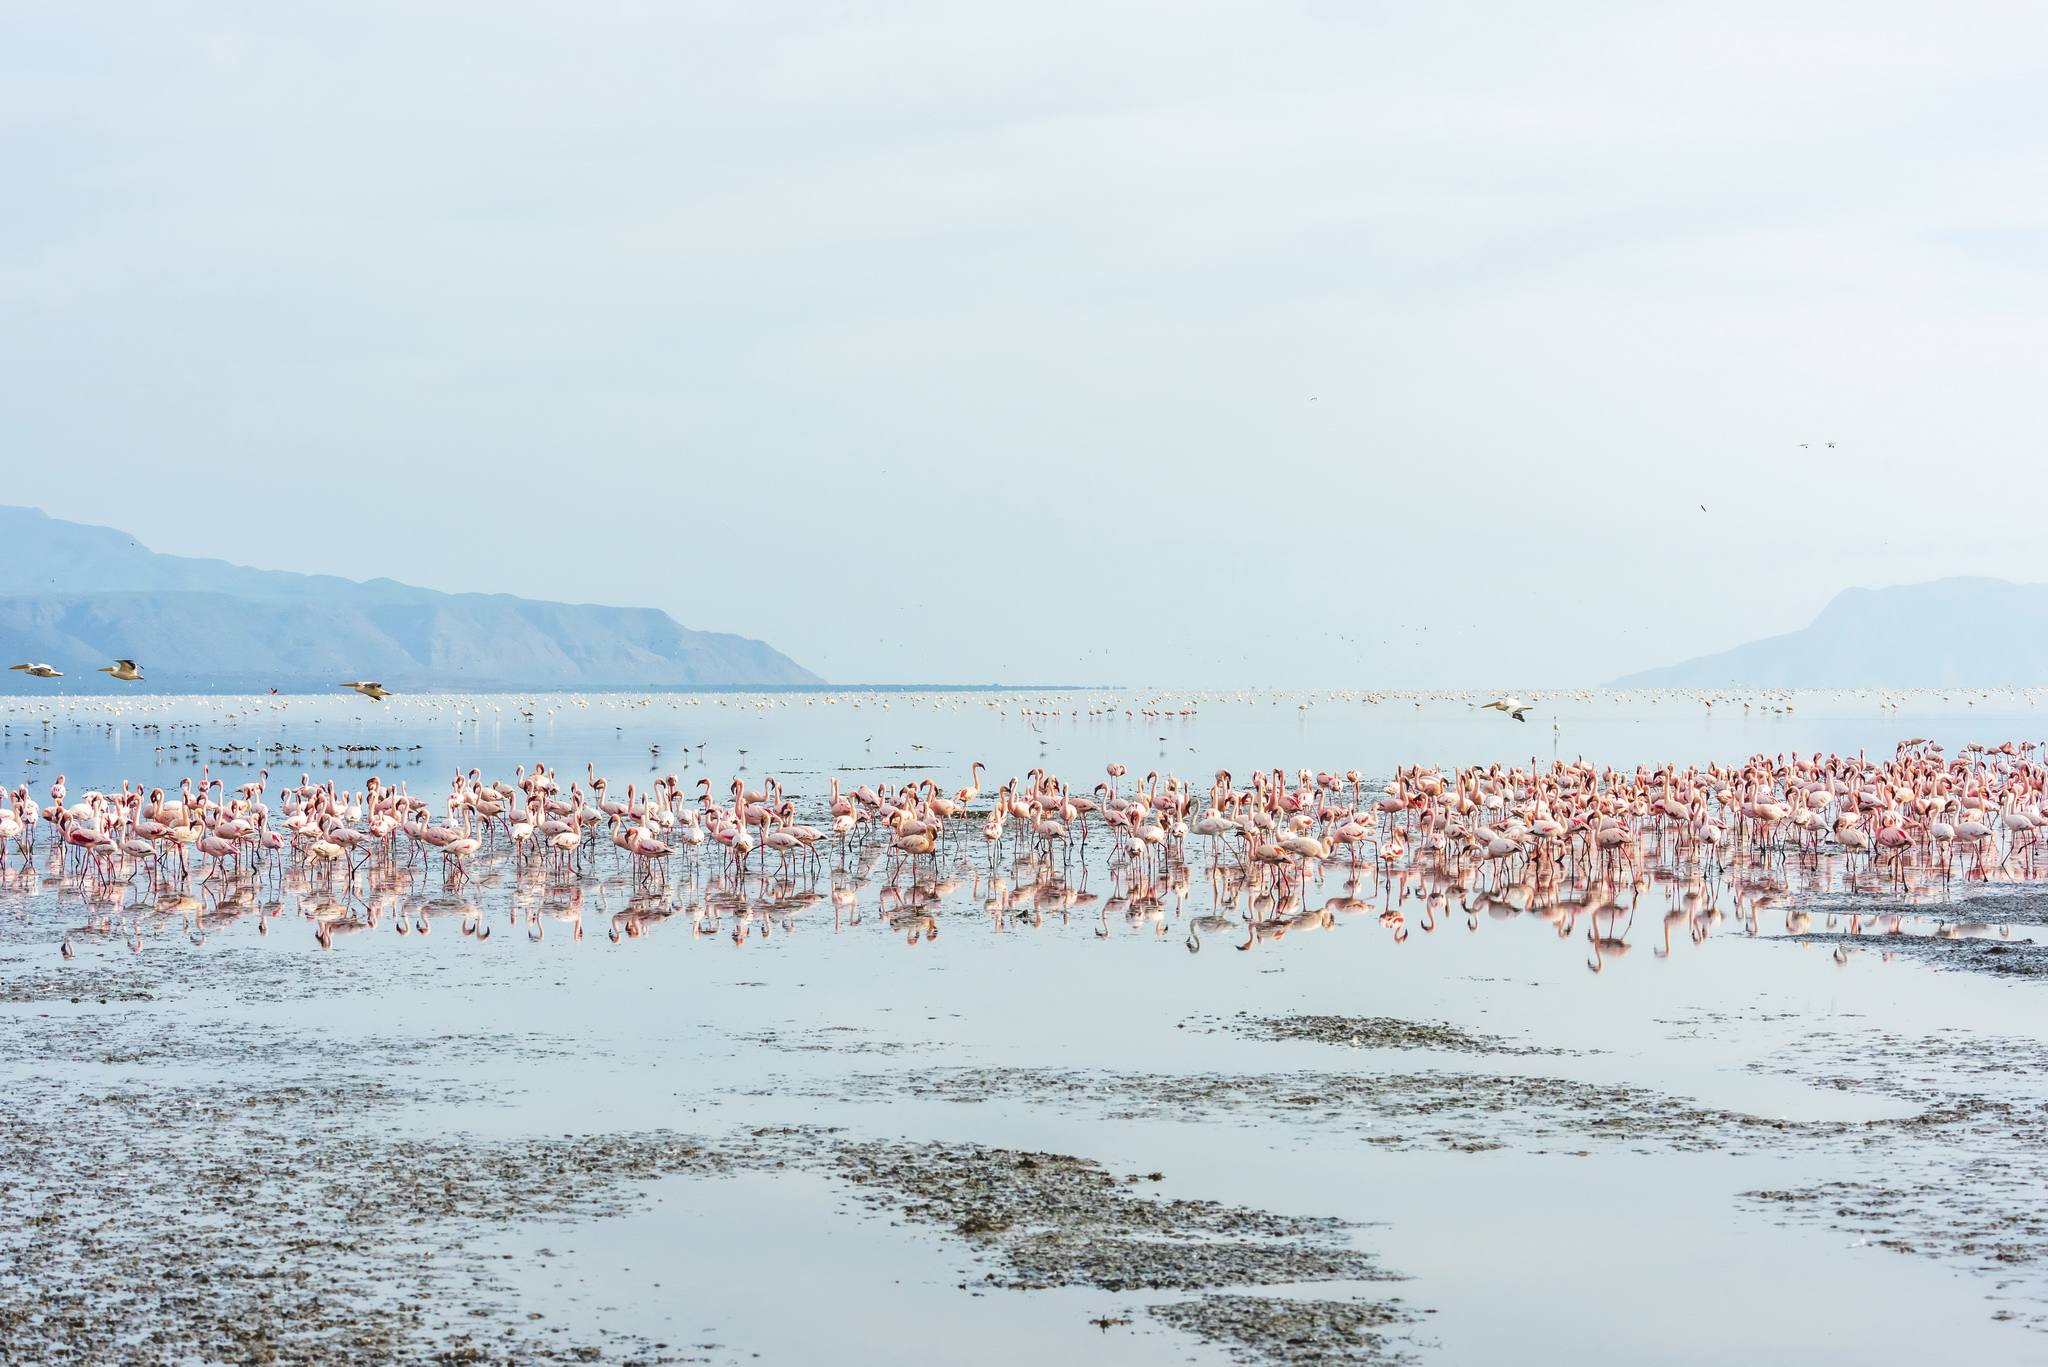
<point>1948,632</point>
<point>79,596</point>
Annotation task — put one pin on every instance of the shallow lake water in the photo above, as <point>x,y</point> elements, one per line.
<point>1614,1153</point>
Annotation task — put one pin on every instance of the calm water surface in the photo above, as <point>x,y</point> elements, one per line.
<point>1618,1256</point>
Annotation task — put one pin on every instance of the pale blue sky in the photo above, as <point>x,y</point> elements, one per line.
<point>1209,344</point>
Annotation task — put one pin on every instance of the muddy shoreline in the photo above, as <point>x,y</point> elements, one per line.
<point>213,1192</point>
<point>2022,958</point>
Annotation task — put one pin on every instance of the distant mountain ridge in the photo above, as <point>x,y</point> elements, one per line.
<point>1940,634</point>
<point>78,596</point>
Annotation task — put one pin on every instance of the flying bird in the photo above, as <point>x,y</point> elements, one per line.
<point>39,671</point>
<point>1513,706</point>
<point>375,691</point>
<point>124,669</point>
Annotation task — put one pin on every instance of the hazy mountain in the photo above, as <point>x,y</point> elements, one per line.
<point>80,596</point>
<point>1948,632</point>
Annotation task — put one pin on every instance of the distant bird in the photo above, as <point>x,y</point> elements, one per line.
<point>374,691</point>
<point>124,669</point>
<point>38,671</point>
<point>1831,446</point>
<point>1703,507</point>
<point>1513,706</point>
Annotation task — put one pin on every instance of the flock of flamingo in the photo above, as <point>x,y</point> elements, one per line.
<point>1570,842</point>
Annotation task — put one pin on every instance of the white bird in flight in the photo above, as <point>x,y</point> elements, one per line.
<point>124,669</point>
<point>375,691</point>
<point>39,671</point>
<point>1513,706</point>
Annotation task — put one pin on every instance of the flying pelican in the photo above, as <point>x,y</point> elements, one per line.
<point>375,691</point>
<point>1513,706</point>
<point>124,669</point>
<point>38,671</point>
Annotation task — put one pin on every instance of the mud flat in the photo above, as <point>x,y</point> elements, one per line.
<point>297,1214</point>
<point>1051,1219</point>
<point>1967,954</point>
<point>2013,905</point>
<point>1472,1112</point>
<point>223,1193</point>
<point>1373,1032</point>
<point>1270,1329</point>
<point>1956,1181</point>
<point>282,1224</point>
<point>1964,1186</point>
<point>180,1186</point>
<point>196,1166</point>
<point>304,1224</point>
<point>1048,1220</point>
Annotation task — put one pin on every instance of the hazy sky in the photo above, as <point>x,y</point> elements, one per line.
<point>1211,344</point>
